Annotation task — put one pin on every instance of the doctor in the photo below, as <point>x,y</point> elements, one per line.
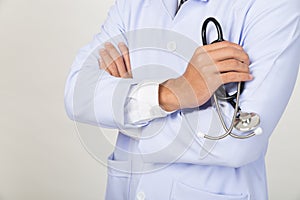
<point>158,154</point>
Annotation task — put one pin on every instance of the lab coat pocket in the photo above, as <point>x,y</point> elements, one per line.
<point>181,191</point>
<point>118,179</point>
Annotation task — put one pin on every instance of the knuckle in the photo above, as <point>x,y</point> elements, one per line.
<point>245,55</point>
<point>247,59</point>
<point>232,45</point>
<point>201,49</point>
<point>108,45</point>
<point>121,44</point>
<point>227,43</point>
<point>246,67</point>
<point>102,52</point>
<point>123,47</point>
<point>239,46</point>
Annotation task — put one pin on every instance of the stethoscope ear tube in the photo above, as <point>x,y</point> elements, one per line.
<point>218,27</point>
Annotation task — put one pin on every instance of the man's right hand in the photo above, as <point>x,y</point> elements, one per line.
<point>210,67</point>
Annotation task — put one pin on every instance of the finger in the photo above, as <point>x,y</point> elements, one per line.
<point>117,58</point>
<point>229,53</point>
<point>102,65</point>
<point>219,45</point>
<point>232,77</point>
<point>111,66</point>
<point>125,52</point>
<point>232,65</point>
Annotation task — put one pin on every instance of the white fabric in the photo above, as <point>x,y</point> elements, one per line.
<point>143,103</point>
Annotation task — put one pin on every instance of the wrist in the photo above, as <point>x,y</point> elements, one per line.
<point>167,98</point>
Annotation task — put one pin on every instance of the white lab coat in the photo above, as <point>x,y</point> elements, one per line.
<point>230,169</point>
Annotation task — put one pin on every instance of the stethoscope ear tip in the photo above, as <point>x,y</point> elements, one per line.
<point>258,131</point>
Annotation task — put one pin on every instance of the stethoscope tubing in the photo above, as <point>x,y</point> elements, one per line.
<point>230,129</point>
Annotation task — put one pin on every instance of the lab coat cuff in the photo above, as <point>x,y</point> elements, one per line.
<point>143,104</point>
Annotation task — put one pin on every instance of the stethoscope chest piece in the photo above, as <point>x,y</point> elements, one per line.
<point>241,121</point>
<point>246,122</point>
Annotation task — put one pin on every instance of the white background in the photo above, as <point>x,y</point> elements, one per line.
<point>41,157</point>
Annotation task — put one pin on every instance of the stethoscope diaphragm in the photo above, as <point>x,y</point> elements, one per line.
<point>246,121</point>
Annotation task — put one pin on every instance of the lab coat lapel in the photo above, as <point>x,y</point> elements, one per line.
<point>171,7</point>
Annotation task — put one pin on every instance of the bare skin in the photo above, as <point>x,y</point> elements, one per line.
<point>115,64</point>
<point>210,67</point>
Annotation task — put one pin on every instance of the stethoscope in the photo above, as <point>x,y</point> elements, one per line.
<point>241,121</point>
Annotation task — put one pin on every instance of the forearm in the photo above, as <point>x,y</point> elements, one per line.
<point>178,93</point>
<point>92,96</point>
<point>167,97</point>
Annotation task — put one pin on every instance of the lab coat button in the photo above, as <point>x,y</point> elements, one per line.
<point>141,196</point>
<point>172,46</point>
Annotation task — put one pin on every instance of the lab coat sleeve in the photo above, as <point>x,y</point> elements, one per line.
<point>93,96</point>
<point>271,37</point>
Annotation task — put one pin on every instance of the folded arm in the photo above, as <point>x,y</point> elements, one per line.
<point>93,96</point>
